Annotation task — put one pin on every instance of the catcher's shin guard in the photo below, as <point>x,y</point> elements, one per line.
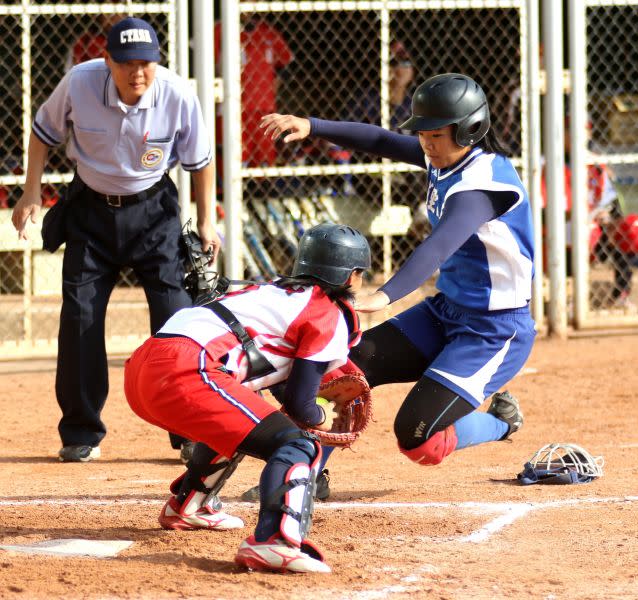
<point>294,499</point>
<point>435,448</point>
<point>299,498</point>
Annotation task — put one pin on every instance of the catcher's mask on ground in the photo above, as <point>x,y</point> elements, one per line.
<point>330,252</point>
<point>561,463</point>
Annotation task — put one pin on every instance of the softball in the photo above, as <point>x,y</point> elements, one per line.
<point>322,401</point>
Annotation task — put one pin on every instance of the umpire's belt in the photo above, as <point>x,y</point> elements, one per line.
<point>117,200</point>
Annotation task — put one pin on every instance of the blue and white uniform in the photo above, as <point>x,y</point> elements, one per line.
<point>485,283</point>
<point>493,269</point>
<point>477,332</point>
<point>122,211</point>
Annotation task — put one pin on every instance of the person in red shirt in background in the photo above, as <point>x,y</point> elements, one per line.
<point>605,221</point>
<point>92,43</point>
<point>264,53</point>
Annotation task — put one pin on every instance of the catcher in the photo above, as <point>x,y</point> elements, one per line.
<point>201,374</point>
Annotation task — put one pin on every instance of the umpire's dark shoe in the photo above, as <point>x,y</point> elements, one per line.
<point>79,453</point>
<point>321,493</point>
<point>186,451</point>
<point>506,408</point>
<point>323,485</point>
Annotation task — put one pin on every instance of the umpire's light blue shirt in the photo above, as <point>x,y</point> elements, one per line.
<point>121,149</point>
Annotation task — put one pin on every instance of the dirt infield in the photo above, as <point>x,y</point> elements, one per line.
<point>391,529</point>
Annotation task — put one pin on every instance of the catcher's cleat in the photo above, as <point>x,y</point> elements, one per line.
<point>186,451</point>
<point>322,491</point>
<point>79,453</point>
<point>275,554</point>
<point>506,408</point>
<point>205,517</point>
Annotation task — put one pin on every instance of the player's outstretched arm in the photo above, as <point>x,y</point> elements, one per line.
<point>274,125</point>
<point>367,303</point>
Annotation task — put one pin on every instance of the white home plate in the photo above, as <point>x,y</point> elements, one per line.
<point>73,547</point>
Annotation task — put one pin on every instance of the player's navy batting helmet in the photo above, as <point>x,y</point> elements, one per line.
<point>330,252</point>
<point>451,99</point>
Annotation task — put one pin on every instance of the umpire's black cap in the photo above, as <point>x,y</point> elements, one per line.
<point>133,39</point>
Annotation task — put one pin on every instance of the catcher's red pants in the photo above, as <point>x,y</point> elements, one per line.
<point>174,384</point>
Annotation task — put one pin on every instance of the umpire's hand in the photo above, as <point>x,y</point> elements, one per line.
<point>210,239</point>
<point>27,207</point>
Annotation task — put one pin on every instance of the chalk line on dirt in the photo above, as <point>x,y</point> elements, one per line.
<point>72,547</point>
<point>510,511</point>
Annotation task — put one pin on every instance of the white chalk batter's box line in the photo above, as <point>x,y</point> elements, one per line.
<point>509,511</point>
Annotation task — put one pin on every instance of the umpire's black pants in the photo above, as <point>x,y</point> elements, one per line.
<point>102,239</point>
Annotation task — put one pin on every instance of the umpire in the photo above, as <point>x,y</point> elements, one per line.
<point>126,121</point>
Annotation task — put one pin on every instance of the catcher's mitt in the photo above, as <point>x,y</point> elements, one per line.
<point>351,394</point>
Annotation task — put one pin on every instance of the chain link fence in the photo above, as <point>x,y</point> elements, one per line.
<point>359,64</point>
<point>612,91</point>
<point>354,60</point>
<point>41,42</point>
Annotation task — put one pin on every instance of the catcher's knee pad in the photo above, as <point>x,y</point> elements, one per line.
<point>201,483</point>
<point>294,497</point>
<point>435,448</point>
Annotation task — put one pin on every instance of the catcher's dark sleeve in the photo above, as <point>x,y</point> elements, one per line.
<point>300,394</point>
<point>371,139</point>
<point>464,213</point>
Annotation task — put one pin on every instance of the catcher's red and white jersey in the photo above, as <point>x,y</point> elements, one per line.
<point>284,323</point>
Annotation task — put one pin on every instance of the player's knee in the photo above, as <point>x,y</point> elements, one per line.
<point>271,434</point>
<point>434,449</point>
<point>295,447</point>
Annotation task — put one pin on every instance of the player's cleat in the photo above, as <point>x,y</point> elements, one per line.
<point>251,495</point>
<point>186,451</point>
<point>322,492</point>
<point>506,408</point>
<point>79,453</point>
<point>205,517</point>
<point>275,554</point>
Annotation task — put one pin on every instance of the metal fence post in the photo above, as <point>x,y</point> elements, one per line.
<point>204,67</point>
<point>183,68</point>
<point>233,192</point>
<point>532,119</point>
<point>553,132</point>
<point>577,29</point>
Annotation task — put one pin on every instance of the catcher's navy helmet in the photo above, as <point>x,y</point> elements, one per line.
<point>451,99</point>
<point>330,252</point>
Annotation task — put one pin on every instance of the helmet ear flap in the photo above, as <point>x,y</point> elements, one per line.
<point>473,128</point>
